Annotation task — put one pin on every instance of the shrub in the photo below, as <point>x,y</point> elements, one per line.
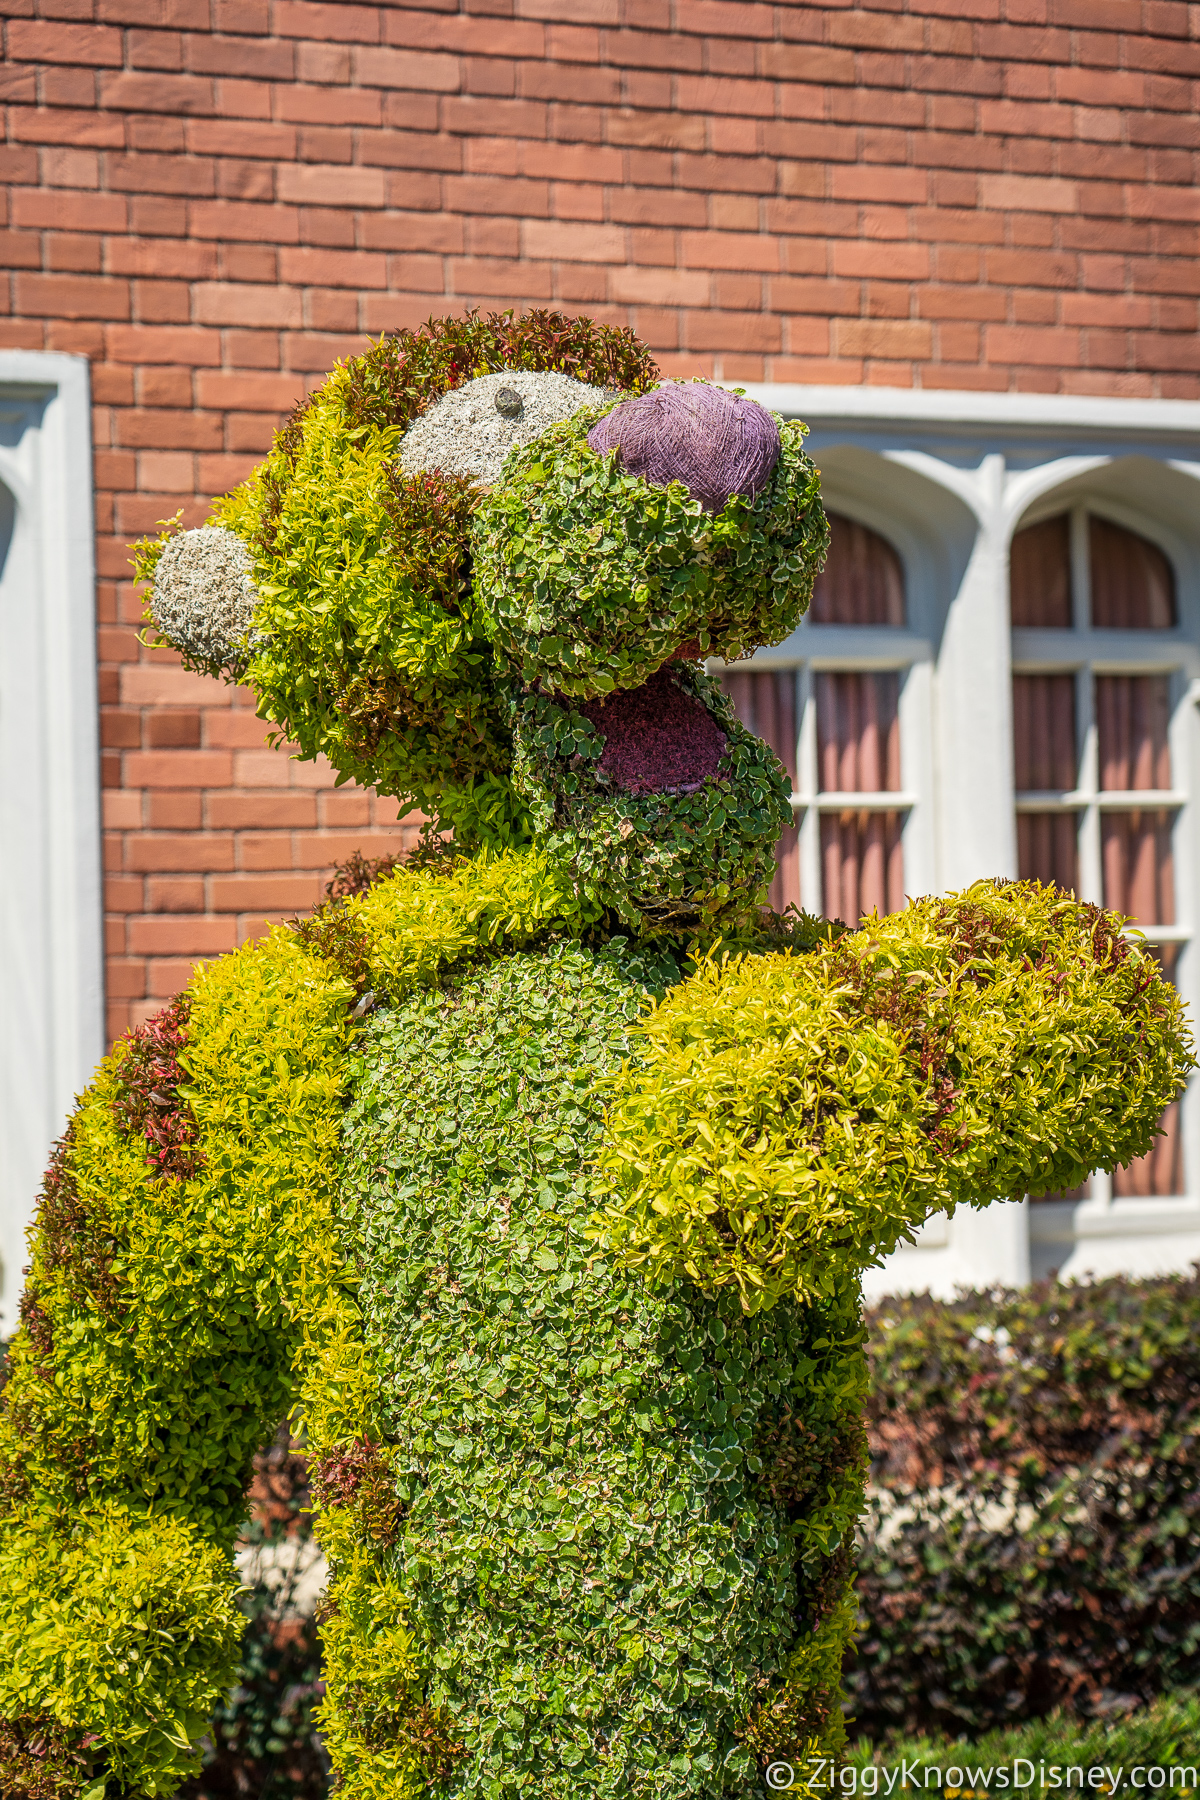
<point>627,1511</point>
<point>1031,1538</point>
<point>658,861</point>
<point>367,647</point>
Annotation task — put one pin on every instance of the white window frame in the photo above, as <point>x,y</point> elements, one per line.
<point>1087,653</point>
<point>947,478</point>
<point>51,940</point>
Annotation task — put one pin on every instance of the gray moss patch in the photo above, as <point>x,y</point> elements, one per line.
<point>471,430</point>
<point>204,597</point>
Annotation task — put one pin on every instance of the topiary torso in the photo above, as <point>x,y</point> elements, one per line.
<point>614,1530</point>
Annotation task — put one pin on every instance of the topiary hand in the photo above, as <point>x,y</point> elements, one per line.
<point>795,1117</point>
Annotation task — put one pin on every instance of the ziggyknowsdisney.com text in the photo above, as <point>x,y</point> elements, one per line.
<point>1020,1776</point>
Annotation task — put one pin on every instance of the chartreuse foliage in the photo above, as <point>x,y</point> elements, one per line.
<point>660,862</point>
<point>793,1120</point>
<point>362,652</point>
<point>121,1633</point>
<point>588,578</point>
<point>169,1322</point>
<point>135,1400</point>
<point>627,1509</point>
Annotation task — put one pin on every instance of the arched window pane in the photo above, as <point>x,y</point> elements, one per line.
<point>1133,586</point>
<point>862,582</point>
<point>1040,576</point>
<point>1133,713</point>
<point>1046,849</point>
<point>1160,1171</point>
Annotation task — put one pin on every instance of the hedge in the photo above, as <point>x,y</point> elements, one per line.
<point>1033,1537</point>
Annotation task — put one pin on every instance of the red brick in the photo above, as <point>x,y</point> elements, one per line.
<point>63,126</point>
<point>667,131</point>
<point>178,95</point>
<point>42,41</point>
<point>265,893</point>
<point>389,68</point>
<point>317,185</point>
<point>561,240</point>
<point>210,55</point>
<point>65,297</point>
<point>337,23</point>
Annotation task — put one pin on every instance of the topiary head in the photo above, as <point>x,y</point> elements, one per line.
<point>489,557</point>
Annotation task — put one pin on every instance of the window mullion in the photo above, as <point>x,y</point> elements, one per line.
<point>1091,875</point>
<point>809,820</point>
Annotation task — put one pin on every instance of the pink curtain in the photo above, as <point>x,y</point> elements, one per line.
<point>863,582</point>
<point>1132,719</point>
<point>1040,575</point>
<point>765,702</point>
<point>1133,586</point>
<point>858,751</point>
<point>1044,759</point>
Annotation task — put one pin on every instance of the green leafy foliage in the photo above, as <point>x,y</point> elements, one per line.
<point>610,1577</point>
<point>155,1361</point>
<point>1032,1529</point>
<point>660,861</point>
<point>792,1118</point>
<point>1166,1732</point>
<point>362,649</point>
<point>588,578</point>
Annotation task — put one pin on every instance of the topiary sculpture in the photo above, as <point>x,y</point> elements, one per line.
<point>537,1175</point>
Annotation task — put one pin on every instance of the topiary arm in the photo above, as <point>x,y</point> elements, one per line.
<point>794,1117</point>
<point>184,1267</point>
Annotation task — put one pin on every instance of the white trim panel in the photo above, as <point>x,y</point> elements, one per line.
<point>51,940</point>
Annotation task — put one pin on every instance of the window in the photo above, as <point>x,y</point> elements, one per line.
<point>838,709</point>
<point>1098,686</point>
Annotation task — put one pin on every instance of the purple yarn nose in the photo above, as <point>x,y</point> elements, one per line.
<point>716,444</point>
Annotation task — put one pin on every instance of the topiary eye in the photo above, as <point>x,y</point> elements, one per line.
<point>509,403</point>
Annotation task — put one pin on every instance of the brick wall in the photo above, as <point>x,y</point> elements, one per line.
<point>213,199</point>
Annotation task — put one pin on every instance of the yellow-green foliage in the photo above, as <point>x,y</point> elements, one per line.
<point>168,1335</point>
<point>372,1683</point>
<point>120,1630</point>
<point>417,925</point>
<point>207,1274</point>
<point>795,1117</point>
<point>151,1392</point>
<point>355,656</point>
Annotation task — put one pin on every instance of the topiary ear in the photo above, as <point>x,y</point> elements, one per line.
<point>200,595</point>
